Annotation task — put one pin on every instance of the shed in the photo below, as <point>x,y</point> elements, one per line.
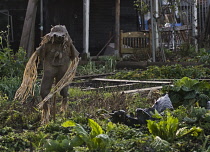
<point>70,14</point>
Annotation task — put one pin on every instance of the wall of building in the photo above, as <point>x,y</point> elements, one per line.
<point>102,20</point>
<point>16,9</point>
<point>70,14</point>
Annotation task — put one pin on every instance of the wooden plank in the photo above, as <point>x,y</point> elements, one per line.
<point>176,28</point>
<point>141,90</point>
<point>89,88</point>
<point>135,34</point>
<point>130,81</point>
<point>107,87</point>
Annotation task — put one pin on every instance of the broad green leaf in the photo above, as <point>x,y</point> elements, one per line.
<point>192,131</point>
<point>52,145</point>
<point>175,97</point>
<point>103,141</point>
<point>66,144</point>
<point>152,126</point>
<point>181,132</point>
<point>186,84</point>
<point>195,130</point>
<point>95,128</point>
<point>159,143</point>
<point>156,115</point>
<point>69,123</point>
<point>165,129</point>
<point>76,141</point>
<point>83,134</point>
<point>110,126</point>
<point>190,120</point>
<point>207,117</point>
<point>190,95</point>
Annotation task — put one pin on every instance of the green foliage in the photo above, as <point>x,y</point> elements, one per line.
<point>187,92</point>
<point>106,65</point>
<point>160,144</point>
<point>194,131</point>
<point>14,114</point>
<point>141,6</point>
<point>11,70</point>
<point>77,92</point>
<point>207,117</point>
<point>4,38</point>
<point>180,113</point>
<point>129,139</point>
<point>197,114</point>
<point>58,146</point>
<point>203,56</point>
<point>186,49</point>
<point>9,86</point>
<point>12,65</point>
<point>205,143</point>
<point>165,129</point>
<point>164,72</point>
<point>13,141</point>
<point>95,140</point>
<point>37,139</point>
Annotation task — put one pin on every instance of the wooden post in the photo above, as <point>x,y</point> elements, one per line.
<point>86,9</point>
<point>41,18</point>
<point>153,33</point>
<point>27,39</point>
<point>154,28</point>
<point>195,25</point>
<point>117,26</point>
<point>156,11</point>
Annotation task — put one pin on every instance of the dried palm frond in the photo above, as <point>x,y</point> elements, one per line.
<point>29,78</point>
<point>45,114</point>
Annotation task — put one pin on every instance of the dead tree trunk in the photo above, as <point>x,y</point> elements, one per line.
<point>27,37</point>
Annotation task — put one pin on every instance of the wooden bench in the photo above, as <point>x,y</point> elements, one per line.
<point>137,43</point>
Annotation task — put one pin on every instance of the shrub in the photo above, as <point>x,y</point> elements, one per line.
<point>165,72</point>
<point>187,92</point>
<point>12,65</point>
